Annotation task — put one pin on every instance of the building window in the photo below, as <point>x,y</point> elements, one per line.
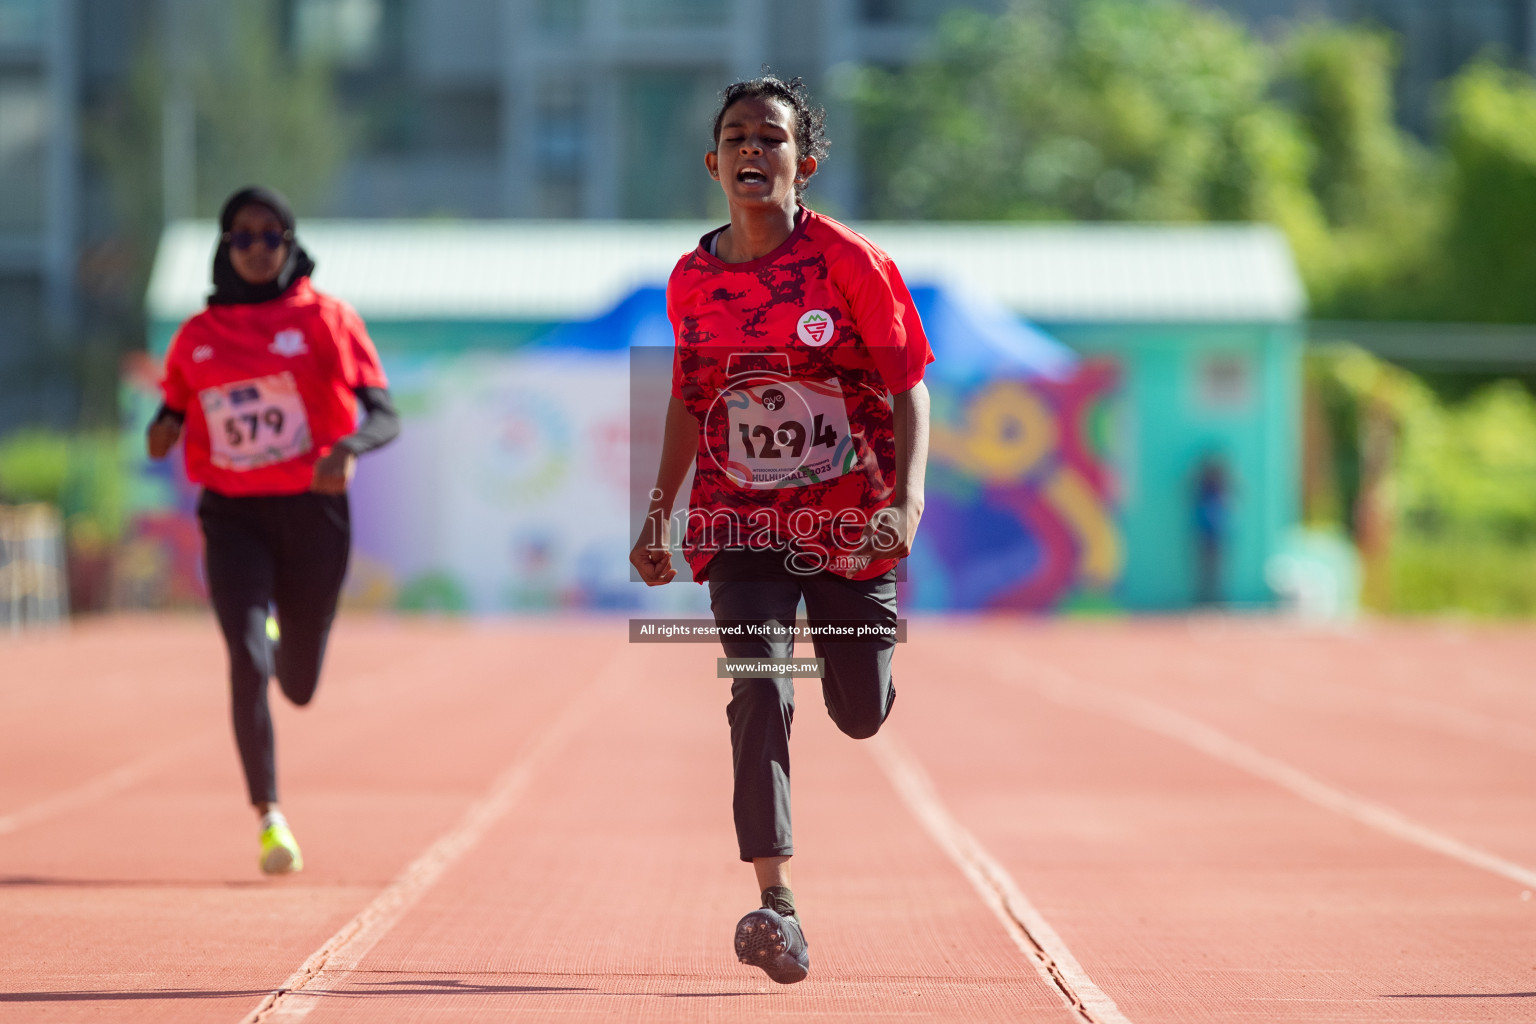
<point>881,12</point>
<point>23,143</point>
<point>559,149</point>
<point>919,12</point>
<point>558,199</point>
<point>560,18</point>
<point>666,116</point>
<point>21,325</point>
<point>349,33</point>
<point>676,13</point>
<point>560,141</point>
<point>21,23</point>
<point>466,121</point>
<point>1225,382</point>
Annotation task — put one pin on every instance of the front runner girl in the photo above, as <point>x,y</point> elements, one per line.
<point>798,398</point>
<point>267,381</point>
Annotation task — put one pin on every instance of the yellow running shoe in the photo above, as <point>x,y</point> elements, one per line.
<point>279,850</point>
<point>273,634</point>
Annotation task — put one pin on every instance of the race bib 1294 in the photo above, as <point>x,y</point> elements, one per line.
<point>255,423</point>
<point>785,433</point>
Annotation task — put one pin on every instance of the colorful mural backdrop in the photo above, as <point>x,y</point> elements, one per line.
<point>508,489</point>
<point>1020,507</point>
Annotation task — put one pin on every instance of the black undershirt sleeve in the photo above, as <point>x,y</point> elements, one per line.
<point>381,424</point>
<point>165,412</point>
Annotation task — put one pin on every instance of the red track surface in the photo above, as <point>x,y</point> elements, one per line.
<point>1200,821</point>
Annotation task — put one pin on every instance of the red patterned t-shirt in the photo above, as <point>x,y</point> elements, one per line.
<point>789,362</point>
<point>267,389</point>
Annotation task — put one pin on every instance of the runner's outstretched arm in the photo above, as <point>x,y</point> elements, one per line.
<point>164,431</point>
<point>910,408</point>
<point>679,446</point>
<point>381,425</point>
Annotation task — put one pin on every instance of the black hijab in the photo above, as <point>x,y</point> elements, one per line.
<point>229,288</point>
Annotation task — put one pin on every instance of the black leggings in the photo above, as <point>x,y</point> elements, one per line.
<point>755,587</point>
<point>284,550</point>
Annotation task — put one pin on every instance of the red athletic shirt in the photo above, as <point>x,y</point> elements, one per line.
<point>267,389</point>
<point>789,362</point>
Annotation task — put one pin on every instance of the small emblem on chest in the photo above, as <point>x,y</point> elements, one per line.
<point>202,353</point>
<point>815,328</point>
<point>289,343</point>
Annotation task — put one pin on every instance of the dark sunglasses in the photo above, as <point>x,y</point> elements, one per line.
<point>243,240</point>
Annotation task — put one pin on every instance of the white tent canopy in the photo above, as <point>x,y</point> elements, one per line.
<point>571,270</point>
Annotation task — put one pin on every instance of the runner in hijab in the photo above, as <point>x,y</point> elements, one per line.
<point>263,387</point>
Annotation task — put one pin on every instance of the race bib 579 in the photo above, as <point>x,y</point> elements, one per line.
<point>255,423</point>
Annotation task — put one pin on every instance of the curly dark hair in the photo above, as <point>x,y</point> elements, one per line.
<point>810,120</point>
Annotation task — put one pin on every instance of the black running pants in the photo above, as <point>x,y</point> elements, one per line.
<point>284,551</point>
<point>756,587</point>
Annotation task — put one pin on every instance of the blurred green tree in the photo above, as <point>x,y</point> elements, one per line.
<point>1095,110</point>
<point>259,114</point>
<point>1380,192</point>
<point>1465,496</point>
<point>1163,110</point>
<point>1487,268</point>
<point>265,116</point>
<point>1450,500</point>
<point>1469,470</point>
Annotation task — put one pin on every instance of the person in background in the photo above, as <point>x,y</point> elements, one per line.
<point>1212,515</point>
<point>263,387</point>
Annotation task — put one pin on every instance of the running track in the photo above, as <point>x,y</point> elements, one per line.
<point>1205,820</point>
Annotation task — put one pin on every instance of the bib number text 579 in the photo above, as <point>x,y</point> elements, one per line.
<point>247,428</point>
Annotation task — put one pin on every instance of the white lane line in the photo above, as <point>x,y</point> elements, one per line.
<point>344,951</point>
<point>102,786</point>
<point>1030,931</point>
<point>1405,709</point>
<point>1075,692</point>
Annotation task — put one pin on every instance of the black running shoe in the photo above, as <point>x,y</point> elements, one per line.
<point>773,940</point>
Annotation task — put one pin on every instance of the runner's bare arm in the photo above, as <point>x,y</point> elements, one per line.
<point>164,431</point>
<point>333,471</point>
<point>679,445</point>
<point>891,534</point>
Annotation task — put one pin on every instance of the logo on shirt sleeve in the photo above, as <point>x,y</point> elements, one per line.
<point>815,328</point>
<point>202,353</point>
<point>289,343</point>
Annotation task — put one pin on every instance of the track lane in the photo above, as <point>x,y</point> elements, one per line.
<point>1354,717</point>
<point>1188,890</point>
<point>612,889</point>
<point>345,950</point>
<point>148,903</point>
<point>85,682</point>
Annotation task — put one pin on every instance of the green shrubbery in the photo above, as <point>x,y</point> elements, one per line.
<point>1165,110</point>
<point>83,475</point>
<point>1465,484</point>
<point>1479,577</point>
<point>1457,489</point>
